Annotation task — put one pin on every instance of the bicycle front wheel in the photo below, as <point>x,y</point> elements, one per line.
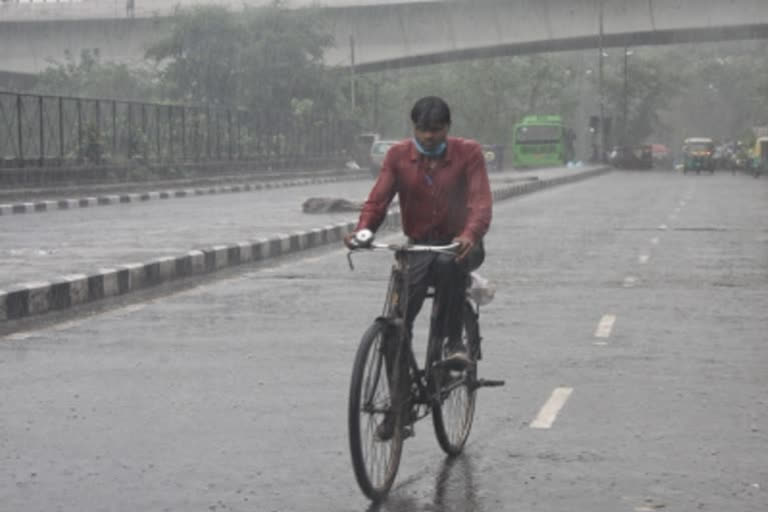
<point>453,405</point>
<point>375,433</point>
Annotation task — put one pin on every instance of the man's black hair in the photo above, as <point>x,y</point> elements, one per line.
<point>430,113</point>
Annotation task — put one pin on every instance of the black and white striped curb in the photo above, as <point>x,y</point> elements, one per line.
<point>41,297</point>
<point>110,199</point>
<point>505,192</point>
<point>37,298</point>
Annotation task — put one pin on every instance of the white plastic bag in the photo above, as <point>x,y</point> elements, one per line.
<point>481,290</point>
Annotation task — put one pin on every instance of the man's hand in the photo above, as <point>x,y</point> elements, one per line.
<point>350,241</point>
<point>358,239</point>
<point>465,245</point>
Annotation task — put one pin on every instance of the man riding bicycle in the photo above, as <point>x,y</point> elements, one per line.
<point>445,197</point>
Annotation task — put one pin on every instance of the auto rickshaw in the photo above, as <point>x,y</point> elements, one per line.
<point>760,156</point>
<point>698,155</point>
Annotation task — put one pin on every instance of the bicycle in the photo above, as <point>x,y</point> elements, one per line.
<point>389,392</point>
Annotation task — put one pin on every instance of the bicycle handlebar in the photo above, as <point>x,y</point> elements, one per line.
<point>448,248</point>
<point>442,249</point>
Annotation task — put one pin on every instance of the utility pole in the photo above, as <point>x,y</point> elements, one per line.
<point>625,117</point>
<point>601,127</point>
<point>376,106</point>
<point>352,72</point>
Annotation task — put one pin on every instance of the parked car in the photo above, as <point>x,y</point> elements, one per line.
<point>631,157</point>
<point>378,151</point>
<point>362,148</point>
<point>662,157</point>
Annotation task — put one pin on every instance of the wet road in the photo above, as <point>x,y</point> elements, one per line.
<point>638,299</point>
<point>41,246</point>
<point>44,245</point>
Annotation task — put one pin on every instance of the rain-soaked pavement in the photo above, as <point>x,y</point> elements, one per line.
<point>42,246</point>
<point>644,294</point>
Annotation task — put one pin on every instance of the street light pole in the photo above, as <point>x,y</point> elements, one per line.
<point>601,126</point>
<point>626,97</point>
<point>376,106</point>
<point>352,72</point>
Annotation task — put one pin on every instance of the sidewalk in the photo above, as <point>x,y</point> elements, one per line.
<point>41,248</point>
<point>14,195</point>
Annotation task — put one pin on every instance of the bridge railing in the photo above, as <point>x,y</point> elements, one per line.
<point>41,131</point>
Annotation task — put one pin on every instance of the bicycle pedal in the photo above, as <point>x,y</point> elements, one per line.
<point>489,383</point>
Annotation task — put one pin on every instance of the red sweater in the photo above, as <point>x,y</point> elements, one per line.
<point>438,202</point>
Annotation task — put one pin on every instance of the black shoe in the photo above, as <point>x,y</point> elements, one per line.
<point>457,359</point>
<point>386,429</point>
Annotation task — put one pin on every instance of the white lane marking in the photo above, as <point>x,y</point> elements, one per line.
<point>311,259</point>
<point>605,326</point>
<point>551,408</point>
<point>655,240</point>
<point>629,282</point>
<point>67,325</point>
<point>672,216</point>
<point>19,336</point>
<point>643,259</point>
<point>25,335</point>
<point>663,227</point>
<point>132,308</point>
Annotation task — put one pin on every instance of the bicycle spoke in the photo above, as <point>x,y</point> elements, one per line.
<point>454,396</point>
<point>376,449</point>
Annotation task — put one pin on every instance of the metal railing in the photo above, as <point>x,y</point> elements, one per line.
<point>40,131</point>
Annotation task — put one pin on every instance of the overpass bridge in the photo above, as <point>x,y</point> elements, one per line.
<point>390,33</point>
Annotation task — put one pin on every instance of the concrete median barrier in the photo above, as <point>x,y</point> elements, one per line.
<point>38,298</point>
<point>113,199</point>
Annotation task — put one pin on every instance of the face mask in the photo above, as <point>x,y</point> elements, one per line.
<point>439,150</point>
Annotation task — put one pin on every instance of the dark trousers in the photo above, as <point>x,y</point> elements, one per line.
<point>450,281</point>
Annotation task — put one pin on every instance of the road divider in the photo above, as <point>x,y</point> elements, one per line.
<point>137,197</point>
<point>37,298</point>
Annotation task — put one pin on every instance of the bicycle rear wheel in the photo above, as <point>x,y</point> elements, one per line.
<point>453,406</point>
<point>374,446</point>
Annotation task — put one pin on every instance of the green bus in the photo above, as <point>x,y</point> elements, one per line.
<point>541,141</point>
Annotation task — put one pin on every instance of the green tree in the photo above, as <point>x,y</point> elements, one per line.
<point>90,77</point>
<point>201,57</point>
<point>487,96</point>
<point>282,59</point>
<point>259,58</point>
<point>652,83</point>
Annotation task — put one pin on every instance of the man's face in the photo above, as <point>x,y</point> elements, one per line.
<point>430,137</point>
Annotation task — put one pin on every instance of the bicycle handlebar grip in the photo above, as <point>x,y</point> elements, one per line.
<point>364,236</point>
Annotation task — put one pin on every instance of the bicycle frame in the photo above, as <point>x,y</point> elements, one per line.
<point>394,313</point>
<point>379,422</point>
